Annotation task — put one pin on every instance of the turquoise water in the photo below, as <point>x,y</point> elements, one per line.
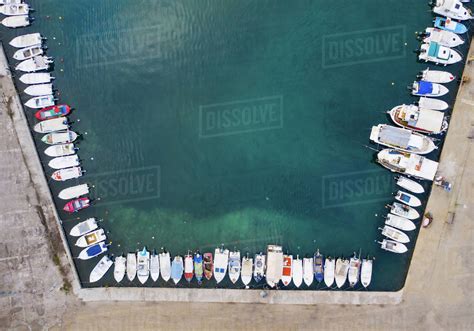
<point>234,122</point>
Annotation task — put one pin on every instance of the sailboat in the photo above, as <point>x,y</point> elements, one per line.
<point>177,269</point>
<point>329,271</point>
<point>188,267</point>
<point>221,260</point>
<point>119,268</point>
<point>247,270</point>
<point>287,274</point>
<point>143,265</point>
<point>165,265</point>
<point>297,271</point>
<point>366,272</point>
<point>342,269</point>
<point>100,269</point>
<point>259,269</point>
<point>234,266</point>
<point>154,267</point>
<point>131,266</point>
<point>318,266</point>
<point>354,270</point>
<point>198,267</point>
<point>308,271</point>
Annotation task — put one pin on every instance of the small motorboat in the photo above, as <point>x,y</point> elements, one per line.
<point>100,269</point>
<point>448,24</point>
<point>432,104</point>
<point>63,162</point>
<point>15,10</point>
<point>354,270</point>
<point>410,185</point>
<point>84,227</point>
<point>402,139</point>
<point>16,21</point>
<point>297,271</point>
<point>73,192</point>
<point>308,271</point>
<point>318,266</point>
<point>259,268</point>
<point>221,260</point>
<point>62,175</point>
<point>92,251</point>
<point>52,125</point>
<point>131,266</point>
<point>40,102</point>
<point>188,267</point>
<point>27,40</point>
<point>39,90</point>
<point>452,9</point>
<point>165,265</point>
<point>408,164</point>
<point>91,238</point>
<point>55,138</point>
<point>408,199</point>
<point>247,270</point>
<point>399,222</point>
<point>119,268</point>
<point>443,38</point>
<point>427,89</point>
<point>274,265</point>
<point>36,78</point>
<point>434,52</point>
<point>198,267</point>
<point>366,272</point>
<point>393,246</point>
<point>77,205</point>
<point>208,265</point>
<point>154,267</point>
<point>287,273</point>
<point>395,234</point>
<point>419,119</point>
<point>177,269</point>
<point>28,52</point>
<point>436,76</point>
<point>60,150</point>
<point>234,266</point>
<point>329,271</point>
<point>341,271</point>
<point>402,210</point>
<point>34,64</point>
<point>143,265</point>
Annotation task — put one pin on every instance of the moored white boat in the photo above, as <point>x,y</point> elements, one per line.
<point>16,21</point>
<point>409,164</point>
<point>34,64</point>
<point>55,138</point>
<point>221,260</point>
<point>52,125</point>
<point>165,265</point>
<point>410,185</point>
<point>15,9</point>
<point>84,227</point>
<point>402,210</point>
<point>452,9</point>
<point>442,37</point>
<point>40,102</point>
<point>247,270</point>
<point>432,104</point>
<point>234,266</point>
<point>154,267</point>
<point>354,270</point>
<point>177,269</point>
<point>143,265</point>
<point>318,266</point>
<point>436,76</point>
<point>100,269</point>
<point>259,269</point>
<point>427,89</point>
<point>393,246</point>
<point>92,251</point>
<point>119,268</point>
<point>408,199</point>
<point>60,150</point>
<point>395,234</point>
<point>39,90</point>
<point>341,271</point>
<point>399,222</point>
<point>63,162</point>
<point>287,273</point>
<point>62,175</point>
<point>329,271</point>
<point>188,267</point>
<point>366,272</point>
<point>36,78</point>
<point>198,267</point>
<point>27,40</point>
<point>402,139</point>
<point>91,238</point>
<point>308,271</point>
<point>437,54</point>
<point>74,192</point>
<point>274,265</point>
<point>131,266</point>
<point>297,271</point>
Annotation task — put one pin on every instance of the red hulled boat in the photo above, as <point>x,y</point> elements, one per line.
<point>76,205</point>
<point>52,112</point>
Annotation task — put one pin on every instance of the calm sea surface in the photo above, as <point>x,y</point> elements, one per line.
<point>234,122</point>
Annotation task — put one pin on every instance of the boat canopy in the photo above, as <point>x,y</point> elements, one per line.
<point>94,250</point>
<point>428,119</point>
<point>424,87</point>
<point>433,50</point>
<point>395,136</point>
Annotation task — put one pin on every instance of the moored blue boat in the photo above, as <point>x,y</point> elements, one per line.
<point>198,270</point>
<point>177,269</point>
<point>318,266</point>
<point>448,24</point>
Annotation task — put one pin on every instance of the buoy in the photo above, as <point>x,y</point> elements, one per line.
<point>60,17</point>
